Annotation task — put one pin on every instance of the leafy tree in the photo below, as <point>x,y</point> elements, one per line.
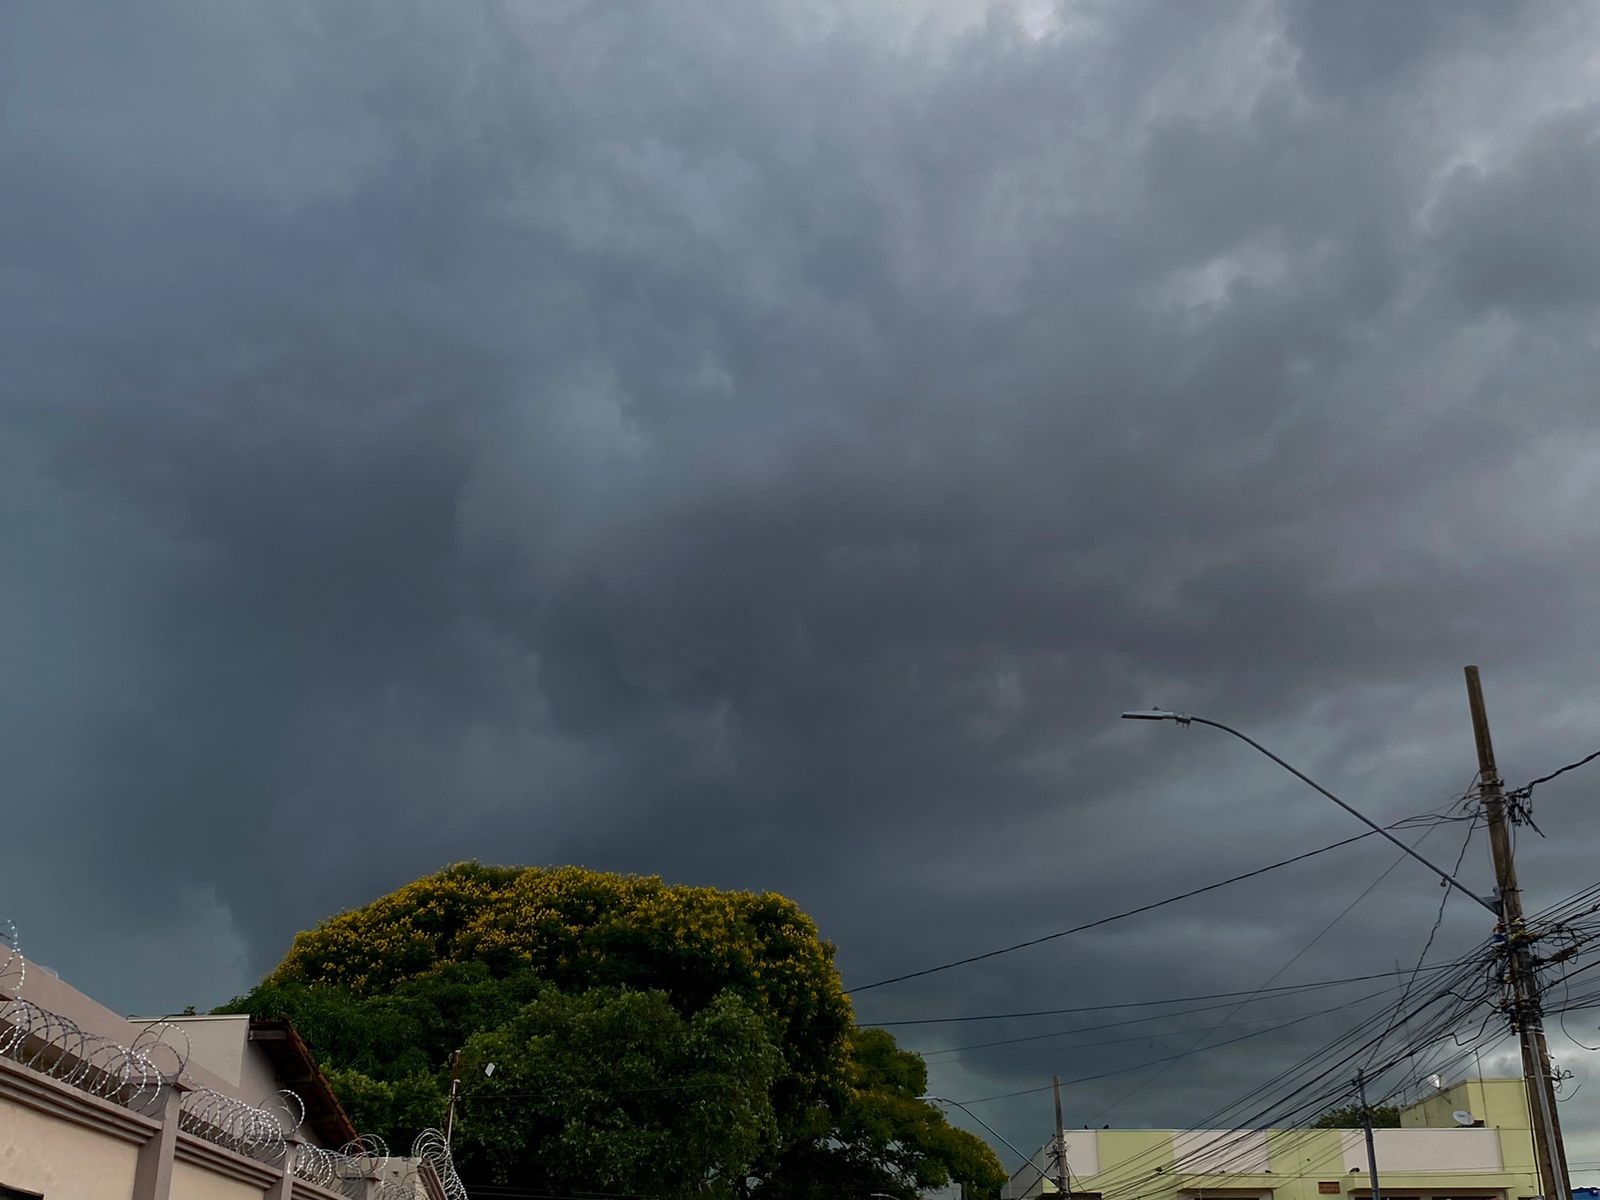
<point>577,928</point>
<point>588,990</point>
<point>886,1138</point>
<point>615,1090</point>
<point>1384,1116</point>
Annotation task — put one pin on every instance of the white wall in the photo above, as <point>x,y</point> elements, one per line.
<point>1083,1151</point>
<point>1427,1150</point>
<point>217,1043</point>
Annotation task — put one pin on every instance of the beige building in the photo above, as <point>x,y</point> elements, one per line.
<point>1433,1156</point>
<point>94,1106</point>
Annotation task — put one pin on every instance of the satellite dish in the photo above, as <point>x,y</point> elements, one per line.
<point>1436,1083</point>
<point>1462,1117</point>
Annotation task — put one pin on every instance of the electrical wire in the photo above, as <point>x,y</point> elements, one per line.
<point>1437,921</point>
<point>1296,1082</point>
<point>1362,895</point>
<point>1058,1012</point>
<point>1095,924</point>
<point>1571,766</point>
<point>1170,1058</point>
<point>1035,1037</point>
<point>1296,1086</point>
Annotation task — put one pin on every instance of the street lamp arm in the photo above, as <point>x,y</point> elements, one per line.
<point>1026,1158</point>
<point>1187,719</point>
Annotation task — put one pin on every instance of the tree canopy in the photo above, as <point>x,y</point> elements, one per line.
<point>1384,1116</point>
<point>648,1038</point>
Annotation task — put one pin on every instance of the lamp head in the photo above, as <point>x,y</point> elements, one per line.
<point>1155,714</point>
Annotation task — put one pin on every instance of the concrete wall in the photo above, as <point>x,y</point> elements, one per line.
<point>56,1158</point>
<point>65,1144</point>
<point>217,1044</point>
<point>1083,1151</point>
<point>1222,1151</point>
<point>196,1183</point>
<point>1429,1150</point>
<point>1498,1103</point>
<point>222,1046</point>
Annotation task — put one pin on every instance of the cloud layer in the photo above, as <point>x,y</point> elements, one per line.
<point>767,445</point>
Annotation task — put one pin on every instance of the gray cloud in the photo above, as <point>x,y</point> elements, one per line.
<point>767,445</point>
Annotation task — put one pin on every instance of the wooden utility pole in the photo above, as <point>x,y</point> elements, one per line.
<point>1060,1141</point>
<point>1366,1125</point>
<point>1526,1012</point>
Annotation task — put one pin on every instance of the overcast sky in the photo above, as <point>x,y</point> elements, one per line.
<point>767,445</point>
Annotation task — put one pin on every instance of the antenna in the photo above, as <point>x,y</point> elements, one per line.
<point>1462,1117</point>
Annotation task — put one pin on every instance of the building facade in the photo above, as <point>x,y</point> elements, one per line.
<point>94,1106</point>
<point>1433,1156</point>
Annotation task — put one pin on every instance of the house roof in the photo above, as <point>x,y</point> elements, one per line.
<point>295,1068</point>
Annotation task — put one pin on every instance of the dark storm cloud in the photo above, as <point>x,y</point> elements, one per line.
<point>767,445</point>
<point>1522,234</point>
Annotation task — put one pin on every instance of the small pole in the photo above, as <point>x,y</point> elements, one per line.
<point>1366,1125</point>
<point>1060,1141</point>
<point>455,1083</point>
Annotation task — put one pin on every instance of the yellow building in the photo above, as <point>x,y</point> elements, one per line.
<point>1486,1154</point>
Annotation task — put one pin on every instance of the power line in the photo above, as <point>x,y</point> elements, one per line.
<point>1298,955</point>
<point>1432,933</point>
<point>1571,766</point>
<point>1296,1085</point>
<point>1183,1012</point>
<point>1132,912</point>
<point>1057,1012</point>
<point>1170,1058</point>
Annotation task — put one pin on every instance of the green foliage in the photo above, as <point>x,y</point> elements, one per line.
<point>396,1109</point>
<point>1384,1116</point>
<point>615,1090</point>
<point>885,1137</point>
<point>648,1038</point>
<point>577,928</point>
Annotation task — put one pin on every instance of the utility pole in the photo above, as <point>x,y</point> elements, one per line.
<point>1526,1012</point>
<point>1060,1141</point>
<point>1366,1125</point>
<point>455,1083</point>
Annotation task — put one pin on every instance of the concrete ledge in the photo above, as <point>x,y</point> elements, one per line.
<point>65,1102</point>
<point>209,1156</point>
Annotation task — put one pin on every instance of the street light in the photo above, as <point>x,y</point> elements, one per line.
<point>455,1084</point>
<point>1165,714</point>
<point>1026,1158</point>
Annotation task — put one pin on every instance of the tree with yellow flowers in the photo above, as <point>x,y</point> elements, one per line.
<point>649,1038</point>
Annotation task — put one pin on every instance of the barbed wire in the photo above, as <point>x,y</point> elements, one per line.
<point>346,1169</point>
<point>141,1074</point>
<point>432,1150</point>
<point>13,966</point>
<point>134,1075</point>
<point>404,1187</point>
<point>254,1130</point>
